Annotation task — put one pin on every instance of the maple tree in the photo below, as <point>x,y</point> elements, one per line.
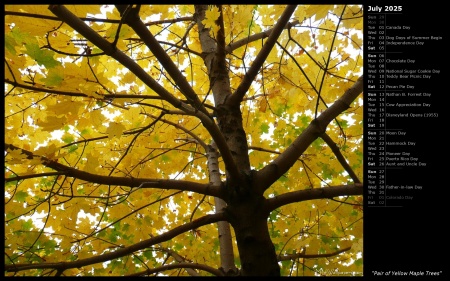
<point>183,140</point>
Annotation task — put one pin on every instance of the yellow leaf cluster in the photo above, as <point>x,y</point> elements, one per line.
<point>211,15</point>
<point>115,130</point>
<point>29,24</point>
<point>141,137</point>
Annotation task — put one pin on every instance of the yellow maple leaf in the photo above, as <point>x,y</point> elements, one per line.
<point>47,151</point>
<point>210,19</point>
<point>263,105</point>
<point>52,123</point>
<point>356,41</point>
<point>92,163</point>
<point>15,156</point>
<point>65,107</point>
<point>115,130</point>
<point>320,11</point>
<point>128,78</point>
<point>97,118</point>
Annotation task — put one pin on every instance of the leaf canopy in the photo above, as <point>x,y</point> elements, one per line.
<point>74,116</point>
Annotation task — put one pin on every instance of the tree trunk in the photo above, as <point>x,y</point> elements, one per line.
<point>244,202</point>
<point>256,250</point>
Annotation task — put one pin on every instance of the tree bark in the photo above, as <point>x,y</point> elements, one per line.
<point>256,250</point>
<point>225,240</point>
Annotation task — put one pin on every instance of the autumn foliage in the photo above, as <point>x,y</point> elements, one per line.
<point>183,140</point>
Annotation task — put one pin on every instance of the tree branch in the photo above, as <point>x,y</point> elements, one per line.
<point>208,219</point>
<point>133,20</point>
<point>38,16</point>
<point>177,257</point>
<point>237,44</point>
<point>310,194</point>
<point>202,188</point>
<point>280,165</point>
<point>194,136</point>
<point>78,25</point>
<point>109,49</point>
<point>305,256</point>
<point>24,177</point>
<point>77,94</point>
<point>188,265</point>
<point>243,87</point>
<point>340,157</point>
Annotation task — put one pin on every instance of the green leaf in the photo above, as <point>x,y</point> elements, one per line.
<point>359,262</point>
<point>67,138</point>
<point>264,128</point>
<point>148,254</point>
<point>178,247</point>
<point>165,158</point>
<point>117,226</point>
<point>275,233</point>
<point>115,263</point>
<point>10,43</point>
<point>273,215</point>
<point>325,239</point>
<point>113,237</point>
<point>72,148</point>
<point>305,120</point>
<point>216,245</point>
<point>54,78</point>
<point>286,263</point>
<point>21,196</point>
<point>327,173</point>
<point>22,37</point>
<point>283,178</point>
<point>50,246</point>
<point>27,225</point>
<point>42,57</point>
<point>85,131</point>
<point>102,233</point>
<point>317,144</point>
<point>99,271</point>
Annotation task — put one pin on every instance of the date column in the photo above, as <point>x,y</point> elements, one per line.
<point>375,110</point>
